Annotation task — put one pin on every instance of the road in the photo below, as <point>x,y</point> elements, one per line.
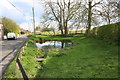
<point>7,49</point>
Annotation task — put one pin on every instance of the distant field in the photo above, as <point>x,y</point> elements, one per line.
<point>58,32</point>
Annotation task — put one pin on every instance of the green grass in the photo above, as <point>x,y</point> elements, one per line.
<point>87,58</point>
<point>90,58</point>
<point>11,71</point>
<point>28,62</point>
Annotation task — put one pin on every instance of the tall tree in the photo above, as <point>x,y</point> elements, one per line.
<point>79,18</point>
<point>10,26</point>
<point>37,28</point>
<point>90,6</point>
<point>63,11</point>
<point>109,11</point>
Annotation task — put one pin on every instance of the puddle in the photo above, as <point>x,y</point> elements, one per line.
<point>46,46</point>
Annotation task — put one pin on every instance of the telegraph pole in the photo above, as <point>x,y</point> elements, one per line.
<point>33,20</point>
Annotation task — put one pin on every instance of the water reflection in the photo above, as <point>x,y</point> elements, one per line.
<point>48,45</point>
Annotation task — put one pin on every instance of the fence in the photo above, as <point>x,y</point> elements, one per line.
<point>18,63</point>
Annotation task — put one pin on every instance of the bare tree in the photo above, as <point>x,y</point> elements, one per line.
<point>90,6</point>
<point>63,11</point>
<point>109,11</point>
<point>80,17</point>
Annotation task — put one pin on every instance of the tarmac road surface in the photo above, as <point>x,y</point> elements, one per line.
<point>7,49</point>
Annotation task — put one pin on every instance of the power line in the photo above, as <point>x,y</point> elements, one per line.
<point>23,13</point>
<point>16,8</point>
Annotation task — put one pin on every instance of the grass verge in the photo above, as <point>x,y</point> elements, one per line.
<point>88,58</point>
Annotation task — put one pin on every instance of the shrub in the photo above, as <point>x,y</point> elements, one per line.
<point>108,32</point>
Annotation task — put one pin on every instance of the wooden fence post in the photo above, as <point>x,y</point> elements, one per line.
<point>20,55</point>
<point>16,66</point>
<point>19,65</point>
<point>21,52</point>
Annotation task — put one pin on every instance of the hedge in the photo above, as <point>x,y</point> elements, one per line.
<point>110,32</point>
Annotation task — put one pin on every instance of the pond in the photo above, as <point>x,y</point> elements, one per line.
<point>46,46</point>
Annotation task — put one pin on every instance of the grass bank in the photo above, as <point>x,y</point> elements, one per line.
<point>28,62</point>
<point>87,58</point>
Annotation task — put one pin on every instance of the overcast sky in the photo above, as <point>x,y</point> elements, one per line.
<point>23,14</point>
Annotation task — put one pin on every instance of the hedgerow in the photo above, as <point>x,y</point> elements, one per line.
<point>110,32</point>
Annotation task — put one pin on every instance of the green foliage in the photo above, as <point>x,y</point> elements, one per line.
<point>11,71</point>
<point>28,59</point>
<point>107,32</point>
<point>46,29</point>
<point>37,28</point>
<point>27,32</point>
<point>22,32</point>
<point>55,53</point>
<point>10,26</point>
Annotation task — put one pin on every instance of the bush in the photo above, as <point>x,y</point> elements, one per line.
<point>108,32</point>
<point>22,32</point>
<point>10,26</point>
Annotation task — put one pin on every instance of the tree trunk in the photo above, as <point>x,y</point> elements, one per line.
<point>61,29</point>
<point>62,45</point>
<point>77,29</point>
<point>65,28</point>
<point>54,32</point>
<point>89,19</point>
<point>108,20</point>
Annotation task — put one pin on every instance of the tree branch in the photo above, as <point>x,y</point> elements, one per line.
<point>97,3</point>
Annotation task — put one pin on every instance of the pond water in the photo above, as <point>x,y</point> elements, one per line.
<point>48,45</point>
